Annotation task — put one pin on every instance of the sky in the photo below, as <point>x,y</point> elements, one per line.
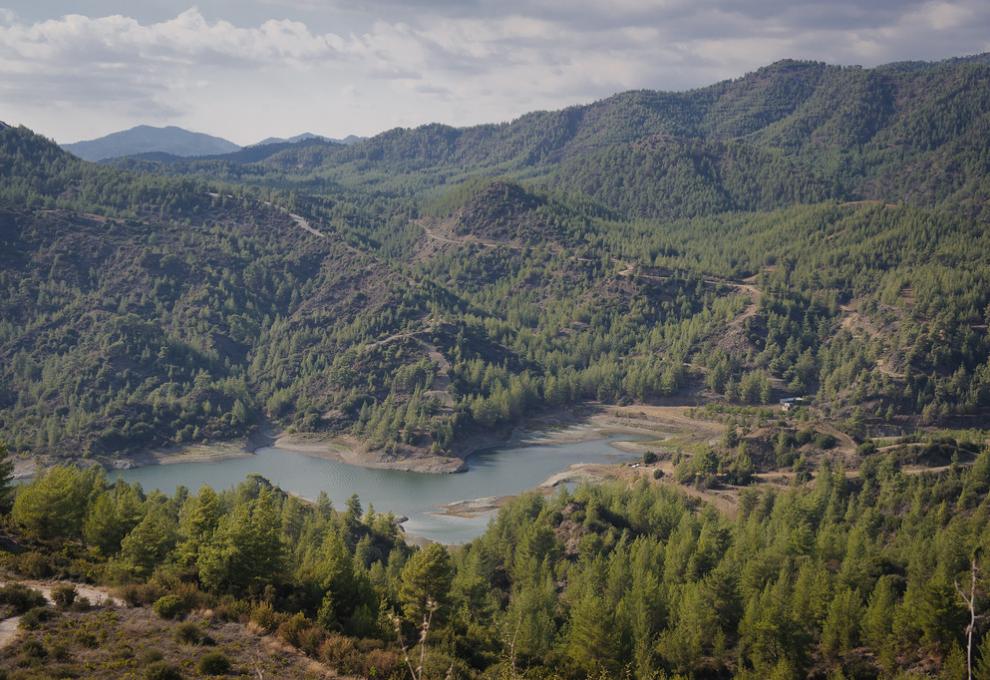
<point>249,69</point>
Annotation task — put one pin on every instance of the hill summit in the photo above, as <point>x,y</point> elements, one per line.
<point>147,139</point>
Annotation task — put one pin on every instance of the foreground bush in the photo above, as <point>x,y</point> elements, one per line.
<point>21,598</point>
<point>214,663</point>
<point>170,607</point>
<point>188,633</point>
<point>160,670</point>
<point>64,595</point>
<point>33,618</point>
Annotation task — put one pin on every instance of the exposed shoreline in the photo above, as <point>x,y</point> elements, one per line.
<point>193,453</point>
<point>562,427</point>
<point>572,426</point>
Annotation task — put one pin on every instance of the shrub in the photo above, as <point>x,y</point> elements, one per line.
<point>231,609</point>
<point>291,629</point>
<point>21,598</point>
<point>265,617</point>
<point>87,638</point>
<point>824,440</point>
<point>150,656</point>
<point>867,448</point>
<point>33,618</point>
<point>310,640</point>
<point>64,595</point>
<point>650,457</point>
<point>34,565</point>
<point>339,652</point>
<point>34,649</point>
<point>159,670</point>
<point>188,633</point>
<point>214,663</point>
<point>138,595</point>
<point>658,474</point>
<point>60,652</point>
<point>380,663</point>
<point>170,607</point>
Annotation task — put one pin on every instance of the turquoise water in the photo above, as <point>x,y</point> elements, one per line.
<point>498,472</point>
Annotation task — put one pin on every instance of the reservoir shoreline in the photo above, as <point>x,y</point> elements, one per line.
<point>572,427</point>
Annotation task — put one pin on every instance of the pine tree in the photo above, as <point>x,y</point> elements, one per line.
<point>879,614</point>
<point>6,475</point>
<point>149,544</point>
<point>53,505</point>
<point>841,630</point>
<point>591,635</point>
<point>426,577</point>
<point>199,520</point>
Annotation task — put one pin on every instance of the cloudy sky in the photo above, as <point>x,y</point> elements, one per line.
<point>247,69</point>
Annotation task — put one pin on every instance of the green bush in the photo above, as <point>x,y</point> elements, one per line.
<point>170,607</point>
<point>188,633</point>
<point>380,663</point>
<point>87,638</point>
<point>265,617</point>
<point>291,629</point>
<point>60,652</point>
<point>650,457</point>
<point>64,595</point>
<point>214,663</point>
<point>231,609</point>
<point>824,440</point>
<point>867,448</point>
<point>21,598</point>
<point>34,565</point>
<point>150,656</point>
<point>34,649</point>
<point>140,594</point>
<point>33,618</point>
<point>160,670</point>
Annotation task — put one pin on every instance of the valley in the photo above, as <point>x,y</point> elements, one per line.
<point>671,384</point>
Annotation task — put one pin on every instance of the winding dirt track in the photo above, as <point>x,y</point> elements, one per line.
<point>466,240</point>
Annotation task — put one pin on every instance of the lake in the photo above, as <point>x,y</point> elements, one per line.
<point>497,472</point>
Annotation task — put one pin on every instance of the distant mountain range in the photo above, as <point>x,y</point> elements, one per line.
<point>306,136</point>
<point>147,139</point>
<point>175,141</point>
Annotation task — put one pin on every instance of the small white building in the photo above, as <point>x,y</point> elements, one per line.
<point>791,403</point>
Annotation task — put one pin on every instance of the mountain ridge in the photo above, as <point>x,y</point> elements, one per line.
<point>641,247</point>
<point>147,139</point>
<point>305,136</point>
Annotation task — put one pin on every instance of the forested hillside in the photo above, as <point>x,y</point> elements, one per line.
<point>804,230</point>
<point>840,578</point>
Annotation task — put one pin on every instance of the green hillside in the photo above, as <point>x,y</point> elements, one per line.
<point>648,245</point>
<point>676,261</point>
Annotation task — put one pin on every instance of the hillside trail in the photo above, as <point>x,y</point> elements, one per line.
<point>300,221</point>
<point>441,380</point>
<point>465,240</point>
<point>747,286</point>
<point>10,627</point>
<point>304,224</point>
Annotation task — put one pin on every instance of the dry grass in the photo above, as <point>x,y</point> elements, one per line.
<point>122,643</point>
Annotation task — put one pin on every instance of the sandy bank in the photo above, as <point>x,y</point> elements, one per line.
<point>350,451</point>
<point>192,453</point>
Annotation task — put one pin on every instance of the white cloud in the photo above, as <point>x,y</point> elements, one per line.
<point>458,62</point>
